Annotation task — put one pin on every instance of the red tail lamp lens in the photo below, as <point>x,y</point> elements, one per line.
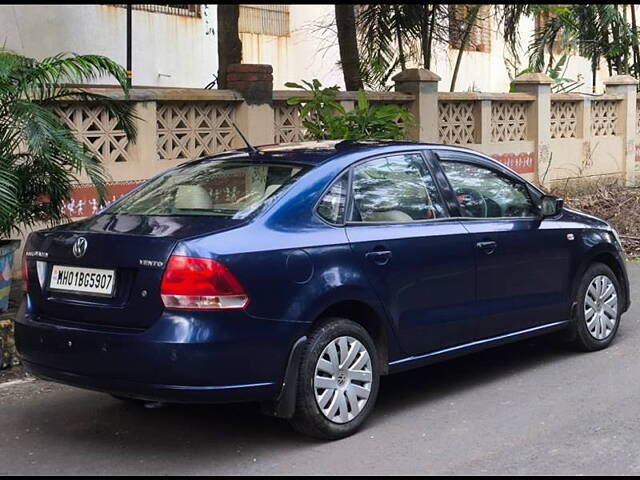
<point>200,283</point>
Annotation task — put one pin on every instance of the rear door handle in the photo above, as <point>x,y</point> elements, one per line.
<point>487,247</point>
<point>379,257</point>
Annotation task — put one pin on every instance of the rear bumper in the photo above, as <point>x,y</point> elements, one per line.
<point>154,392</point>
<point>205,358</point>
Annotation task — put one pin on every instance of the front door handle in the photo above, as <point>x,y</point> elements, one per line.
<point>379,257</point>
<point>488,246</point>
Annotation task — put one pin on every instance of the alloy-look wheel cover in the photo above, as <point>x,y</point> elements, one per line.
<point>601,307</point>
<point>343,379</point>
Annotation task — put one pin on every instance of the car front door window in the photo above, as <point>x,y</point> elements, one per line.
<point>483,193</point>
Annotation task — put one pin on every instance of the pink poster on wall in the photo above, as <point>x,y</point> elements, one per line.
<point>84,198</point>
<point>523,162</point>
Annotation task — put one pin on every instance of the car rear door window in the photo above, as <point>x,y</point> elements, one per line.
<point>397,188</point>
<point>484,193</point>
<point>332,205</point>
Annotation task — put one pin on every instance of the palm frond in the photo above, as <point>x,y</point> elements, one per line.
<point>40,80</point>
<point>40,159</point>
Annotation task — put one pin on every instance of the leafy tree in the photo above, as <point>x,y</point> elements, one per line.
<point>392,35</point>
<point>595,31</point>
<point>470,20</point>
<point>557,74</point>
<point>40,159</point>
<point>324,118</point>
<point>509,17</point>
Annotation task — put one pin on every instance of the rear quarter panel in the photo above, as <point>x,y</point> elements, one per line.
<point>292,264</point>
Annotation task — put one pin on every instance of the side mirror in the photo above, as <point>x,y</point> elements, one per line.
<point>550,206</point>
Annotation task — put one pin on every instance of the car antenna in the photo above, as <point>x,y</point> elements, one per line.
<point>253,149</point>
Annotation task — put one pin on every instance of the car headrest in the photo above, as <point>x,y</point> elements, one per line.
<point>386,216</point>
<point>192,196</point>
<point>270,189</point>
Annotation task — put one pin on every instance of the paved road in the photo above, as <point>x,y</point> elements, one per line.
<point>520,409</point>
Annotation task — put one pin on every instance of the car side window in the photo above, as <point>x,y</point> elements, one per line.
<point>483,193</point>
<point>397,188</point>
<point>332,205</point>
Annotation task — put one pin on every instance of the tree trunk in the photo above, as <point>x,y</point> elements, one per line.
<point>348,43</point>
<point>229,44</point>
<point>424,34</point>
<point>636,49</point>
<point>625,57</point>
<point>617,60</point>
<point>432,26</point>
<point>471,21</point>
<point>401,57</point>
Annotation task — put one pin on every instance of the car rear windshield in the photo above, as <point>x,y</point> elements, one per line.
<point>233,189</point>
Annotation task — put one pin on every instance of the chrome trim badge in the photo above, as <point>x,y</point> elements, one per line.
<point>36,253</point>
<point>150,263</point>
<point>79,247</point>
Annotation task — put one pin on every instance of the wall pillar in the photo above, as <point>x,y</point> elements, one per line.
<point>254,116</point>
<point>539,118</point>
<point>424,85</point>
<point>482,114</point>
<point>348,105</point>
<point>144,152</point>
<point>256,123</point>
<point>626,86</point>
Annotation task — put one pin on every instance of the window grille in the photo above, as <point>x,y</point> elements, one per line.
<point>264,19</point>
<point>480,37</point>
<point>172,9</point>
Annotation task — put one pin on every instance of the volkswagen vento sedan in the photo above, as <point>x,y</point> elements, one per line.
<point>297,275</point>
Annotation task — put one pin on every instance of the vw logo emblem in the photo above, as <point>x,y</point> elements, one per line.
<point>79,247</point>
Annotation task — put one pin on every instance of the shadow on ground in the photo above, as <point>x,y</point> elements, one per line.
<point>96,422</point>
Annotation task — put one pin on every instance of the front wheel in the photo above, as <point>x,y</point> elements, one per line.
<point>338,381</point>
<point>598,309</point>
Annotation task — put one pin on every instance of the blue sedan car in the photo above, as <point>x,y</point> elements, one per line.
<point>296,275</point>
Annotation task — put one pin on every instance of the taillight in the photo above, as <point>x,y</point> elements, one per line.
<point>200,283</point>
<point>25,274</point>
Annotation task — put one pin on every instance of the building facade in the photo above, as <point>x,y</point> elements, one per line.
<point>170,44</point>
<point>176,45</point>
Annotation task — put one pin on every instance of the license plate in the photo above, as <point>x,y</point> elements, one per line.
<point>83,281</point>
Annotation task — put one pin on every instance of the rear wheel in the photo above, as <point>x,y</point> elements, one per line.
<point>338,381</point>
<point>598,309</point>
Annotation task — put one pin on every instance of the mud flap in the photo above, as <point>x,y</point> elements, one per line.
<point>285,405</point>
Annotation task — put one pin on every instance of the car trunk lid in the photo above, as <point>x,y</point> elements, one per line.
<point>135,247</point>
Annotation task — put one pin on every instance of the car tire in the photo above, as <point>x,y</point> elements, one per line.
<point>595,324</point>
<point>340,390</point>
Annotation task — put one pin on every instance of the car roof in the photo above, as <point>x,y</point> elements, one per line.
<point>315,152</point>
<point>312,153</point>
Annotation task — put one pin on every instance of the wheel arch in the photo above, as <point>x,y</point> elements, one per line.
<point>608,258</point>
<point>369,318</point>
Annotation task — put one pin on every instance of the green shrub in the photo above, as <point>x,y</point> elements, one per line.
<point>324,117</point>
